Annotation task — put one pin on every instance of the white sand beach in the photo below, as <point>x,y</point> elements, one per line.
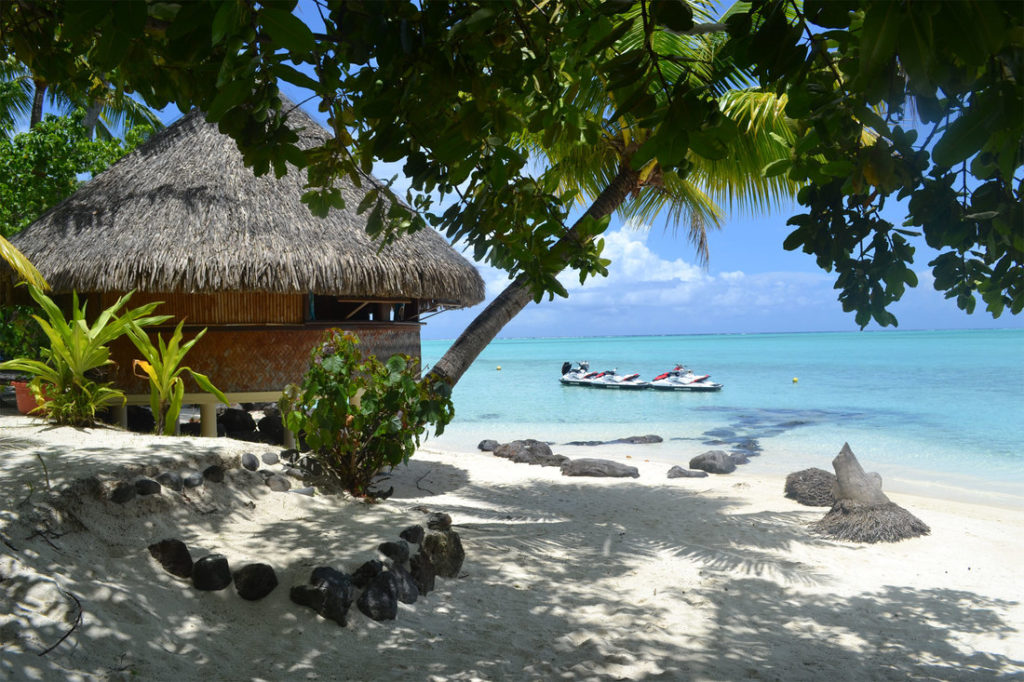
<point>565,578</point>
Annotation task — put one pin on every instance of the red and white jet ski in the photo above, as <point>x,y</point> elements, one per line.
<point>680,378</point>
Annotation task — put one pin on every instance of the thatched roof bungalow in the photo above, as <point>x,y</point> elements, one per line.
<point>182,220</point>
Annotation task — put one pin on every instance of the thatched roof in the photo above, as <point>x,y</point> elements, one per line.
<point>182,213</point>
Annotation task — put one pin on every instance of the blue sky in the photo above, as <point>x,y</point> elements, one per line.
<point>655,286</point>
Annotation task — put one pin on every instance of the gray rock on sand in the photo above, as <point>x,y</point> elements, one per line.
<point>123,492</point>
<point>250,462</point>
<point>380,599</point>
<point>398,552</point>
<point>270,458</point>
<point>714,462</point>
<point>439,521</point>
<point>174,556</point>
<point>172,480</point>
<point>365,574</point>
<point>211,573</point>
<point>413,534</point>
<point>445,552</point>
<point>529,451</point>
<point>330,593</point>
<point>405,585</point>
<point>193,479</point>
<point>679,472</point>
<point>422,571</point>
<point>147,486</point>
<point>255,581</point>
<point>278,483</point>
<point>214,473</point>
<point>598,467</point>
<point>487,445</point>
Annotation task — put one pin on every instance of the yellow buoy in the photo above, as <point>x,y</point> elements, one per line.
<point>499,368</point>
<point>795,380</point>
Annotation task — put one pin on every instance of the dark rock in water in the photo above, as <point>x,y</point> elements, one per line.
<point>147,486</point>
<point>193,479</point>
<point>211,573</point>
<point>422,571</point>
<point>445,552</point>
<point>749,446</point>
<point>439,521</point>
<point>714,461</point>
<point>235,420</point>
<point>487,445</point>
<point>270,458</point>
<point>140,419</point>
<point>255,581</point>
<point>720,433</point>
<point>214,473</point>
<point>250,462</point>
<point>366,573</point>
<point>405,586</point>
<point>739,459</point>
<point>586,442</point>
<point>190,429</point>
<point>380,600</point>
<point>639,440</point>
<point>598,467</point>
<point>412,534</point>
<point>812,487</point>
<point>279,484</point>
<point>123,492</point>
<point>529,452</point>
<point>174,556</point>
<point>172,480</point>
<point>679,472</point>
<point>398,552</point>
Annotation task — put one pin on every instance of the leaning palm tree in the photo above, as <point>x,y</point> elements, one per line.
<point>21,265</point>
<point>604,174</point>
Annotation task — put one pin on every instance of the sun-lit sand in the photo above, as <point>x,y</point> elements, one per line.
<point>565,578</point>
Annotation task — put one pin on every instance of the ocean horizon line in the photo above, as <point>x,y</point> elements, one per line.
<point>766,333</point>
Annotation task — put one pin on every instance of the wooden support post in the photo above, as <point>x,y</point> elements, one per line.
<point>208,420</point>
<point>289,439</point>
<point>121,415</point>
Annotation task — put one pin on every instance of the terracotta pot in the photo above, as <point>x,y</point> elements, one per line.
<point>26,401</point>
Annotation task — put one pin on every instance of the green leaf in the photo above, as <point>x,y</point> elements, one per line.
<point>777,167</point>
<point>675,15</point>
<point>965,136</point>
<point>224,21</point>
<point>288,31</point>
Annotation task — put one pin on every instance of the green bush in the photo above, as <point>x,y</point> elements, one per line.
<point>69,375</point>
<point>20,336</point>
<point>359,416</point>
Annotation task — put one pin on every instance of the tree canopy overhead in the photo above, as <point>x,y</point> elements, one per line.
<point>461,93</point>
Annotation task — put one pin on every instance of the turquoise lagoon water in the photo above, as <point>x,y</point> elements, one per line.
<point>935,412</point>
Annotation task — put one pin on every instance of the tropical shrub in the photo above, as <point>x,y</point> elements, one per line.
<point>161,367</point>
<point>358,415</point>
<point>20,336</point>
<point>68,375</point>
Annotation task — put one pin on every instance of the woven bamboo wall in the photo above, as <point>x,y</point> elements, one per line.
<point>223,308</point>
<point>253,358</point>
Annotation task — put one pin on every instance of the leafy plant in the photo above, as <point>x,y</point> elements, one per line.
<point>66,379</point>
<point>162,368</point>
<point>20,336</point>
<point>359,415</point>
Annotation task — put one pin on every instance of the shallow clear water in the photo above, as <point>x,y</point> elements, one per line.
<point>941,406</point>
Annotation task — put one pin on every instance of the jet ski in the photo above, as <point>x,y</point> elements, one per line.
<point>580,375</point>
<point>574,376</point>
<point>610,379</point>
<point>680,378</point>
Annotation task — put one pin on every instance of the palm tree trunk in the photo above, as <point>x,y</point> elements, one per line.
<point>517,295</point>
<point>92,116</point>
<point>37,102</point>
